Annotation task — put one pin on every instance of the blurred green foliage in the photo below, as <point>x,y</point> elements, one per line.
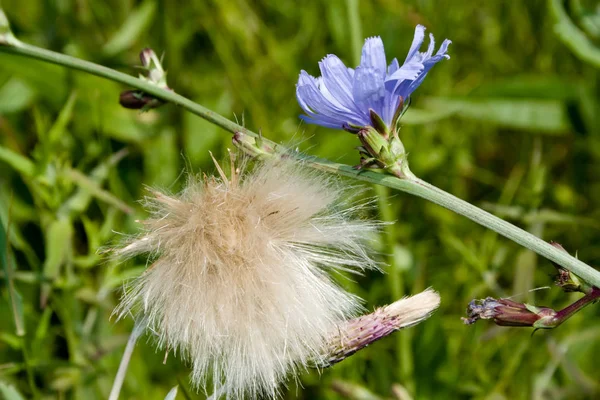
<point>510,123</point>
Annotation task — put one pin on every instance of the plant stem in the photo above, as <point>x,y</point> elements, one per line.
<point>355,29</point>
<point>38,53</point>
<point>572,309</point>
<point>138,329</point>
<point>425,190</point>
<point>411,184</point>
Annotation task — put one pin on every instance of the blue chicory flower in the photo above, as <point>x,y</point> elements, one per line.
<point>344,98</point>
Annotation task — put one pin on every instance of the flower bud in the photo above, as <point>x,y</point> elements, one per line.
<point>156,73</point>
<point>146,57</point>
<point>383,151</point>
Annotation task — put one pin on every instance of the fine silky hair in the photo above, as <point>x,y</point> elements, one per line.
<point>240,273</point>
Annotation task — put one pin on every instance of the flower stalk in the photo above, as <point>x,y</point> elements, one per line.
<point>7,38</point>
<point>412,186</point>
<point>127,353</point>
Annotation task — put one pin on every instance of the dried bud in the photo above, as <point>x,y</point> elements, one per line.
<point>506,312</point>
<point>567,280</point>
<point>570,282</point>
<point>138,100</point>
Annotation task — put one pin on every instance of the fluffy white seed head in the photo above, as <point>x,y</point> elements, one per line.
<point>240,277</point>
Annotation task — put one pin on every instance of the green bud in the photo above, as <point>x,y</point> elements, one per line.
<point>152,64</point>
<point>384,151</point>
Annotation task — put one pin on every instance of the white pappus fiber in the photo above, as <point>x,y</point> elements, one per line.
<point>240,281</point>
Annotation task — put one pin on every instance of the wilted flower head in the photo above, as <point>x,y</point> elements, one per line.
<point>506,312</point>
<point>240,281</point>
<point>360,332</point>
<point>345,98</point>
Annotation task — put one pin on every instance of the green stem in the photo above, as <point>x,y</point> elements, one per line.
<point>29,368</point>
<point>411,184</point>
<point>427,191</point>
<point>38,53</point>
<point>355,31</point>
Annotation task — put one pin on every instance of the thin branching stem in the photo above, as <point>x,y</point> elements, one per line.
<point>138,329</point>
<point>410,184</point>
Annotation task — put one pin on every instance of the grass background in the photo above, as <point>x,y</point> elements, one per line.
<point>510,123</point>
